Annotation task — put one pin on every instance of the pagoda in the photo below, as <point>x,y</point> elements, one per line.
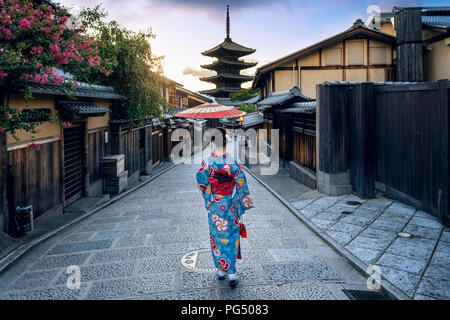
<point>228,66</point>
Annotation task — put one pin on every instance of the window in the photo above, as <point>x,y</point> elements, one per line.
<point>377,55</point>
<point>333,57</point>
<point>355,53</point>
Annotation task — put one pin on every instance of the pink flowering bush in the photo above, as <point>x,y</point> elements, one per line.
<point>37,37</point>
<point>34,39</point>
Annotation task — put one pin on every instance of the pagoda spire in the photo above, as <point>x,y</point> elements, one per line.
<point>228,22</point>
<point>228,65</point>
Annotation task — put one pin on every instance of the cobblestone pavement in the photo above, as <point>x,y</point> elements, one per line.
<point>133,249</point>
<point>419,265</point>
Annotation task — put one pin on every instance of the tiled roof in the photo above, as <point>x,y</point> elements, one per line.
<point>301,107</point>
<point>229,102</point>
<point>81,90</point>
<point>227,76</point>
<point>252,119</point>
<point>82,108</point>
<point>228,46</point>
<point>216,65</point>
<point>219,90</point>
<point>172,111</point>
<point>437,21</point>
<point>284,97</point>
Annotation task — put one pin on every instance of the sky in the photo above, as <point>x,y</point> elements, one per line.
<point>275,28</point>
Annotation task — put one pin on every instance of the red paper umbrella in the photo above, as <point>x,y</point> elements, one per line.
<point>210,111</point>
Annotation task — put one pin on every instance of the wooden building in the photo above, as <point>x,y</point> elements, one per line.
<point>294,115</point>
<point>188,99</point>
<point>423,41</point>
<point>357,54</point>
<point>168,89</point>
<point>228,66</point>
<point>67,166</point>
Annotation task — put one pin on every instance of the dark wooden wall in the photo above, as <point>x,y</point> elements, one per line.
<point>334,133</point>
<point>304,140</point>
<point>3,158</point>
<point>361,103</point>
<point>38,178</point>
<point>131,151</point>
<point>98,149</point>
<point>158,145</point>
<point>412,142</point>
<point>393,135</point>
<point>167,141</point>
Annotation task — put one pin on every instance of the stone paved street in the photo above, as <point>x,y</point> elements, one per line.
<point>418,265</point>
<point>133,249</point>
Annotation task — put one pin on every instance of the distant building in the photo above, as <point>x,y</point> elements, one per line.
<point>168,89</point>
<point>189,99</point>
<point>407,44</point>
<point>357,54</point>
<point>177,96</point>
<point>228,66</point>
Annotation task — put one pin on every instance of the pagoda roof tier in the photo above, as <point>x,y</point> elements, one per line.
<point>228,48</point>
<point>218,91</point>
<point>223,63</point>
<point>230,76</point>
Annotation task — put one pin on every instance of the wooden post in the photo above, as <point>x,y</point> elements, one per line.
<point>11,200</point>
<point>116,138</point>
<point>408,24</point>
<point>3,172</point>
<point>443,192</point>
<point>362,140</point>
<point>333,174</point>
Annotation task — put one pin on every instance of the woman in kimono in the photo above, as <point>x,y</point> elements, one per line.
<point>222,182</point>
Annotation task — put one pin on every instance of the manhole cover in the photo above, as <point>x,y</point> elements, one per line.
<point>353,203</point>
<point>364,295</point>
<point>189,261</point>
<point>346,212</point>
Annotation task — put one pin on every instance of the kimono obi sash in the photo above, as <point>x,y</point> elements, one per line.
<point>222,183</point>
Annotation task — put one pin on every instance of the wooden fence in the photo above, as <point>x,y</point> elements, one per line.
<point>304,140</point>
<point>37,177</point>
<point>135,144</point>
<point>390,136</point>
<point>98,148</point>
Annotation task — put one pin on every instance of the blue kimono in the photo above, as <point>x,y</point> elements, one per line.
<point>225,191</point>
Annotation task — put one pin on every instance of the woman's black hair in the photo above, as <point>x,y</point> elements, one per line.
<point>223,132</point>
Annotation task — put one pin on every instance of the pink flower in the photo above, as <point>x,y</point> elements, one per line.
<point>24,24</point>
<point>2,130</point>
<point>54,49</point>
<point>3,74</point>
